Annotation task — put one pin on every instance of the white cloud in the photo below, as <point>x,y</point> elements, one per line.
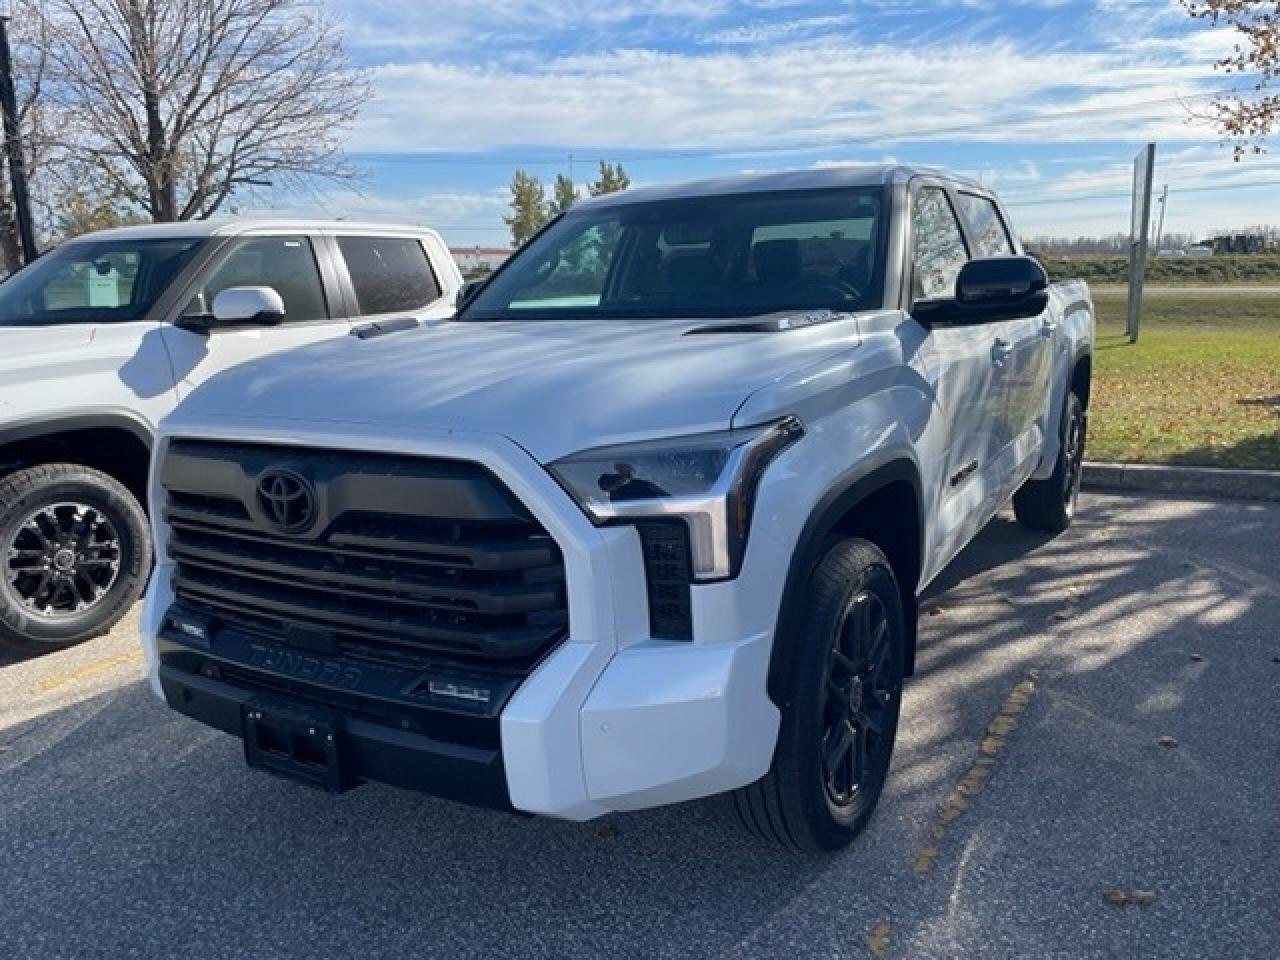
<point>826,90</point>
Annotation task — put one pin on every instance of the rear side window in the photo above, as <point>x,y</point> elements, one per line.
<point>937,246</point>
<point>989,234</point>
<point>389,274</point>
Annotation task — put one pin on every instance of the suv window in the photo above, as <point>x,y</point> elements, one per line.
<point>937,245</point>
<point>985,224</point>
<point>94,281</point>
<point>286,264</point>
<point>389,274</point>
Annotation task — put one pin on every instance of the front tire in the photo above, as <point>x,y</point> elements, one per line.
<point>1050,504</point>
<point>74,556</point>
<point>839,686</point>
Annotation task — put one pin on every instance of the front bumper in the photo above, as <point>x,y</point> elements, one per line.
<point>610,720</point>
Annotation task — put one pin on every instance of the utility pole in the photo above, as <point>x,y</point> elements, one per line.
<point>13,147</point>
<point>1164,196</point>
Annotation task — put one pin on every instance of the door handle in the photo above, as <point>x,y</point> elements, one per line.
<point>1000,351</point>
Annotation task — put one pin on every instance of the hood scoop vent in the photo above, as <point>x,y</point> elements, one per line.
<point>380,328</point>
<point>773,323</point>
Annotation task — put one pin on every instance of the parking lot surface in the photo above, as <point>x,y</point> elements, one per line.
<point>1088,766</point>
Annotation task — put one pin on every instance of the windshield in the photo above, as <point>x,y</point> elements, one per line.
<point>720,256</point>
<point>88,281</point>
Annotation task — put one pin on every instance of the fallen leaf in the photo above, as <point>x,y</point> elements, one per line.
<point>1002,725</point>
<point>878,940</point>
<point>1115,896</point>
<point>924,860</point>
<point>607,832</point>
<point>1167,741</point>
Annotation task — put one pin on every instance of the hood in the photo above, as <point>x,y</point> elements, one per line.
<point>552,387</point>
<point>24,347</point>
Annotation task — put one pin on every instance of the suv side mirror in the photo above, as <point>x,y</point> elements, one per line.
<point>237,307</point>
<point>991,289</point>
<point>243,305</point>
<point>467,291</point>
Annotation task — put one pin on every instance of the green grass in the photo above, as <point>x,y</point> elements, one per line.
<point>1201,386</point>
<point>1260,269</point>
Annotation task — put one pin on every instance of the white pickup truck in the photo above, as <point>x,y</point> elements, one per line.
<point>646,521</point>
<point>102,337</point>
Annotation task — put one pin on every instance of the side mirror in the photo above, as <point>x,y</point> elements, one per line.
<point>991,289</point>
<point>237,307</point>
<point>243,305</point>
<point>467,291</point>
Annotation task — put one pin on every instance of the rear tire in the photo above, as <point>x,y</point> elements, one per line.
<point>1050,504</point>
<point>839,686</point>
<point>74,556</point>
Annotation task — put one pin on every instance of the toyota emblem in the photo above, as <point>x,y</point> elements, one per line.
<point>287,499</point>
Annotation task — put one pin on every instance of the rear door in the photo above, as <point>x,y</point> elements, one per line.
<point>966,377</point>
<point>297,266</point>
<point>1027,343</point>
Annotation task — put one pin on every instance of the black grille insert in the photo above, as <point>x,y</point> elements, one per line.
<point>410,560</point>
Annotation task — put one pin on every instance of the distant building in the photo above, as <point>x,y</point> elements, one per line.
<point>1244,243</point>
<point>471,259</point>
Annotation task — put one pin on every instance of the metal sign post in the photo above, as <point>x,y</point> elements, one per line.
<point>1139,230</point>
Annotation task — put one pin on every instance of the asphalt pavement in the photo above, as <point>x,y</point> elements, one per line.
<point>1088,766</point>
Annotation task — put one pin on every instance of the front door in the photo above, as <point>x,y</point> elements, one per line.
<point>966,372</point>
<point>1023,350</point>
<point>296,267</point>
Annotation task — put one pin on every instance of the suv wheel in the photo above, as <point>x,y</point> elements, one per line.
<point>1050,504</point>
<point>839,683</point>
<point>74,556</point>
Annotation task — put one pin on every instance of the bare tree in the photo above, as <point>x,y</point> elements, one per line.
<point>1246,120</point>
<point>178,104</point>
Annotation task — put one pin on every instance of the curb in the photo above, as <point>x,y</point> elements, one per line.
<point>1185,481</point>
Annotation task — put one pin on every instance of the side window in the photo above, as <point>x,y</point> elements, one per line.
<point>285,264</point>
<point>988,229</point>
<point>578,276</point>
<point>937,245</point>
<point>389,274</point>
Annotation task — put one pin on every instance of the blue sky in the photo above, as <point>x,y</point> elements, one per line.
<point>1047,101</point>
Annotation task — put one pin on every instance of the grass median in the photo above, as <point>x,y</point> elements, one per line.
<point>1201,387</point>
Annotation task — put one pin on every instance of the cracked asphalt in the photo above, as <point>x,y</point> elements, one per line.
<point>1056,668</point>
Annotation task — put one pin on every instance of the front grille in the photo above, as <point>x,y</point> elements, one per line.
<point>409,562</point>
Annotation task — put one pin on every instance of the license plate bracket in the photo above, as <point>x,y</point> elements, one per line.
<point>297,742</point>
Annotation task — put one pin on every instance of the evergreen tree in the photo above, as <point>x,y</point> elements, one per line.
<point>612,179</point>
<point>528,208</point>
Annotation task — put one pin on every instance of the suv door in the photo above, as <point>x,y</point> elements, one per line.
<point>296,266</point>
<point>389,276</point>
<point>965,373</point>
<point>1026,341</point>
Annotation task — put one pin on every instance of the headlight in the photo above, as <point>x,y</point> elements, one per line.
<point>708,480</point>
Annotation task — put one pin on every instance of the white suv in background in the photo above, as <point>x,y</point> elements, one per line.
<point>102,336</point>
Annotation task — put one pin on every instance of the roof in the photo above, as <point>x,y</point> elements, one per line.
<point>813,178</point>
<point>234,226</point>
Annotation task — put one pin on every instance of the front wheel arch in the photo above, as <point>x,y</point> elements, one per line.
<point>847,510</point>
